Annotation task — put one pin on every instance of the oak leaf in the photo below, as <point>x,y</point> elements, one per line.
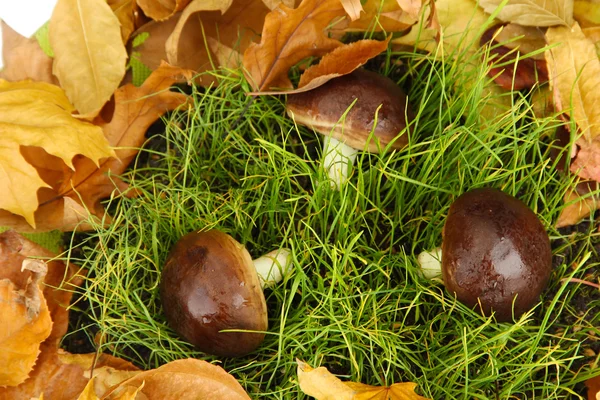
<point>574,77</point>
<point>26,320</point>
<point>136,108</point>
<point>39,114</point>
<point>23,58</point>
<point>289,36</point>
<point>89,54</point>
<point>182,379</point>
<point>323,385</point>
<point>532,12</point>
<point>160,10</point>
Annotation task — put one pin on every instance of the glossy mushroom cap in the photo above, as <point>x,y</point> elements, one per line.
<point>209,284</point>
<point>323,107</point>
<point>495,248</point>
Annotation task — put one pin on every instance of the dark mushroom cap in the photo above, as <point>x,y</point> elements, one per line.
<point>322,108</point>
<point>495,248</point>
<point>209,284</point>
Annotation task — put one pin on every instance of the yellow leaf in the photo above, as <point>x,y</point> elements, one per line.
<point>323,385</point>
<point>574,71</point>
<point>89,54</point>
<point>124,10</point>
<point>382,15</point>
<point>182,379</point>
<point>289,36</point>
<point>25,324</point>
<point>39,114</point>
<point>88,393</point>
<point>533,12</point>
<point>587,13</point>
<point>576,209</point>
<point>353,8</point>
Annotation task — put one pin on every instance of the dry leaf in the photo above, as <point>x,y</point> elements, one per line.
<point>411,7</point>
<point>575,76</point>
<point>234,29</point>
<point>323,385</point>
<point>160,10</point>
<point>533,12</point>
<point>136,108</point>
<point>587,13</point>
<point>576,209</point>
<point>26,320</point>
<point>39,114</point>
<point>183,380</point>
<point>381,15</point>
<point>23,58</point>
<point>353,8</point>
<point>289,36</point>
<point>593,386</point>
<point>125,11</point>
<point>341,61</point>
<point>89,55</point>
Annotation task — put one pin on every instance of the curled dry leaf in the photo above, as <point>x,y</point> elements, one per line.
<point>160,10</point>
<point>89,54</point>
<point>353,8</point>
<point>39,114</point>
<point>323,385</point>
<point>26,320</point>
<point>575,76</point>
<point>289,36</point>
<point>23,58</point>
<point>383,15</point>
<point>533,12</point>
<point>182,379</point>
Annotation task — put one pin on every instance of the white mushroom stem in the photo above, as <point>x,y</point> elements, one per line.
<point>431,263</point>
<point>338,158</point>
<point>273,266</point>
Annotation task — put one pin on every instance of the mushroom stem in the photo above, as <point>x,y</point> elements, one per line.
<point>337,160</point>
<point>273,266</point>
<point>431,263</point>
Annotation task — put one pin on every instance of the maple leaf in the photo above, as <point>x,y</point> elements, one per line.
<point>136,108</point>
<point>39,114</point>
<point>89,54</point>
<point>323,385</point>
<point>23,58</point>
<point>289,36</point>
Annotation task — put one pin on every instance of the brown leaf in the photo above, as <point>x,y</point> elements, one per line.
<point>411,7</point>
<point>289,36</point>
<point>353,8</point>
<point>160,10</point>
<point>516,72</point>
<point>533,12</point>
<point>577,208</point>
<point>183,379</point>
<point>197,25</point>
<point>323,385</point>
<point>135,110</point>
<point>383,15</point>
<point>24,58</point>
<point>593,386</point>
<point>89,55</point>
<point>39,114</point>
<point>341,61</point>
<point>125,11</point>
<point>26,320</point>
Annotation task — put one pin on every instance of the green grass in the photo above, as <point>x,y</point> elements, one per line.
<point>355,301</point>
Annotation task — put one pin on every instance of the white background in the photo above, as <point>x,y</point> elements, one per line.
<point>25,16</point>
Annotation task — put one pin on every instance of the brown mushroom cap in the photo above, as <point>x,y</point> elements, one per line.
<point>209,284</point>
<point>495,248</point>
<point>322,108</point>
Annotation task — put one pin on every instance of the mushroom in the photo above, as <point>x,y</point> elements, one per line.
<point>210,284</point>
<point>495,254</point>
<point>359,111</point>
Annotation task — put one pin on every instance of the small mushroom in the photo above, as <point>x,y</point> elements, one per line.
<point>210,284</point>
<point>495,254</point>
<point>359,111</point>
